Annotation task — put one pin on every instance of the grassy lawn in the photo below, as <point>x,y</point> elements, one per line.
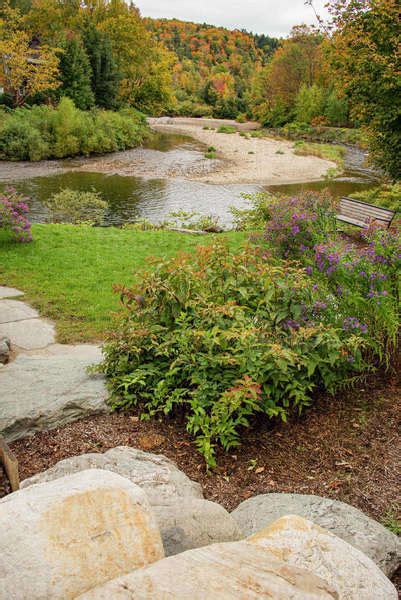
<point>67,272</point>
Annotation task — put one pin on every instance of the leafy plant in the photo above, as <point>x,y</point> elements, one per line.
<point>74,206</point>
<point>391,520</point>
<point>220,337</point>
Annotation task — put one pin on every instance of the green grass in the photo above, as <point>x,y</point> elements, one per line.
<point>391,520</point>
<point>326,151</point>
<point>227,129</point>
<point>68,271</point>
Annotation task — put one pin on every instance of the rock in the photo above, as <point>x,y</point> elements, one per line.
<point>158,476</point>
<point>14,310</point>
<point>31,334</point>
<point>188,523</point>
<point>231,571</point>
<point>303,544</point>
<point>9,292</point>
<point>61,538</point>
<point>345,521</point>
<point>48,389</point>
<point>5,348</point>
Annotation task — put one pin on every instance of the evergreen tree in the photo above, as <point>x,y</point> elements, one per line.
<point>76,74</point>
<point>105,76</point>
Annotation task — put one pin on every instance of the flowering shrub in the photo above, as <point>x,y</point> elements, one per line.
<point>221,337</point>
<point>13,215</point>
<point>362,282</point>
<point>296,224</point>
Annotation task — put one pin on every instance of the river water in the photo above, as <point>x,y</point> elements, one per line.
<point>160,185</point>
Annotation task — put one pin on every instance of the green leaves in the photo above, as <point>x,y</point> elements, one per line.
<point>216,338</point>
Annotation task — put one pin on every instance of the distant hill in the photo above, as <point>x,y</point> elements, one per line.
<point>213,67</point>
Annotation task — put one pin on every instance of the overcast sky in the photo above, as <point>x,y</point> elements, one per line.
<point>273,17</point>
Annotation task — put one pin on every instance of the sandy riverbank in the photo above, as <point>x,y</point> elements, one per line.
<point>247,160</point>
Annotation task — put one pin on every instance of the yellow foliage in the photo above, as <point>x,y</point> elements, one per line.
<point>25,71</point>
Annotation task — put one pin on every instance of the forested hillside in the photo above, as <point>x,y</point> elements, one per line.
<point>213,66</point>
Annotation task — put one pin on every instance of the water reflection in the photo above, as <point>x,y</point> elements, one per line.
<point>130,198</point>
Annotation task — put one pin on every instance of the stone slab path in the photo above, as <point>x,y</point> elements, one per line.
<point>47,385</point>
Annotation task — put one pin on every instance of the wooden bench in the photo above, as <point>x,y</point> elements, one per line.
<point>361,213</point>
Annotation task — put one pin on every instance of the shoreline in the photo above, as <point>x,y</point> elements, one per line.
<point>241,159</point>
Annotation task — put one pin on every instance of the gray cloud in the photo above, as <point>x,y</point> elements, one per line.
<point>272,17</point>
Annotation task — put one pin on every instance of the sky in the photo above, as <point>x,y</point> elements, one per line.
<point>272,17</point>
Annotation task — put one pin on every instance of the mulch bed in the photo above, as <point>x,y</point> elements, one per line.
<point>345,447</point>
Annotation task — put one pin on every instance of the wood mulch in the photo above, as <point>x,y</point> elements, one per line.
<point>345,447</point>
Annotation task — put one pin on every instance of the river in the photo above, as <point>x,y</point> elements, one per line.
<point>161,184</point>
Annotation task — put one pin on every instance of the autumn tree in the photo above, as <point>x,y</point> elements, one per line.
<point>24,70</point>
<point>366,54</point>
<point>298,62</point>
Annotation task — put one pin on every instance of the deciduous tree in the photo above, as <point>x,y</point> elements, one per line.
<point>366,53</point>
<point>24,70</point>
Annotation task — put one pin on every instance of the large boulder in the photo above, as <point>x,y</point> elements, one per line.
<point>231,571</point>
<point>188,523</point>
<point>303,544</point>
<point>49,388</point>
<point>61,538</point>
<point>158,476</point>
<point>345,521</point>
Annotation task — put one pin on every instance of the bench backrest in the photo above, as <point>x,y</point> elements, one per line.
<point>362,211</point>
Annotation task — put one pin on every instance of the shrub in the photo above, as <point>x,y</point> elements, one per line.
<point>296,224</point>
<point>220,337</point>
<point>74,206</point>
<point>13,215</point>
<point>241,118</point>
<point>43,132</point>
<point>255,217</point>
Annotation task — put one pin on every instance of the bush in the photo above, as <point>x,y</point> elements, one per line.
<point>13,215</point>
<point>297,224</point>
<point>217,337</point>
<point>242,118</point>
<point>43,132</point>
<point>73,206</point>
